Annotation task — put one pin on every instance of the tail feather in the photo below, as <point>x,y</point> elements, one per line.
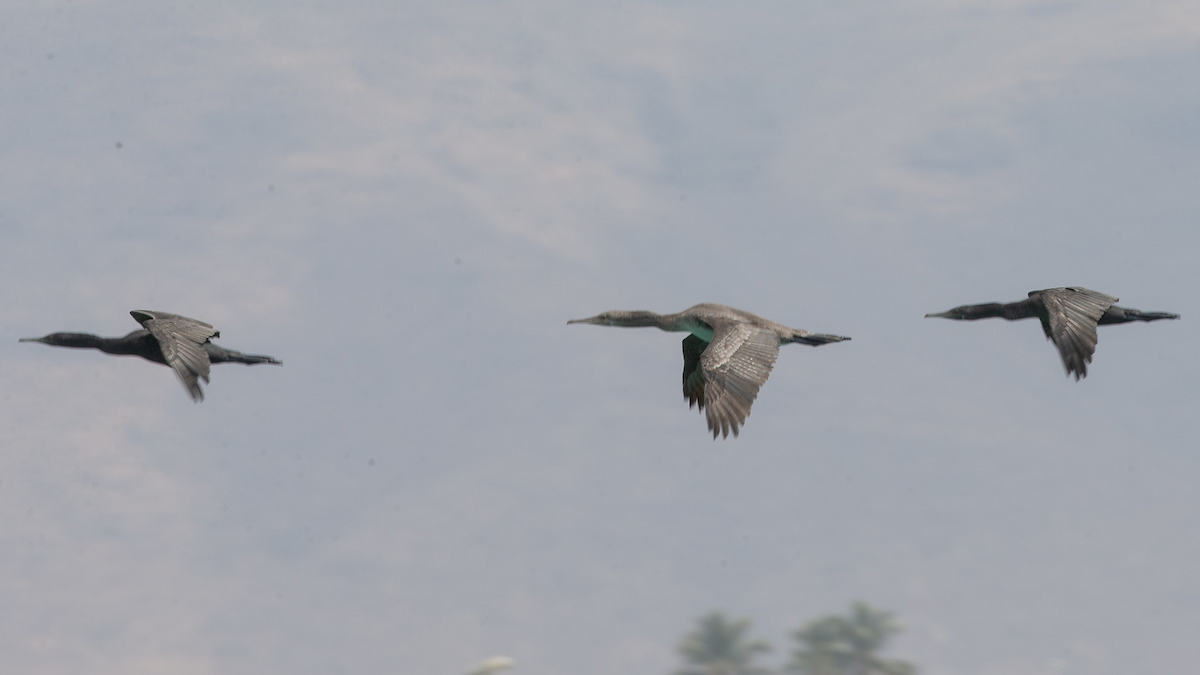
<point>221,355</point>
<point>1117,314</point>
<point>1150,316</point>
<point>816,339</point>
<point>251,359</point>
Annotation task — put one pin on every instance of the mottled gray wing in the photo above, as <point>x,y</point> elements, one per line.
<point>182,343</point>
<point>1071,318</point>
<point>735,365</point>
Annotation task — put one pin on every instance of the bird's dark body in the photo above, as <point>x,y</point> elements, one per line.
<point>1069,316</point>
<point>189,351</point>
<point>726,358</point>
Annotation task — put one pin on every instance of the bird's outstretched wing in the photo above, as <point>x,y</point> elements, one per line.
<point>1071,318</point>
<point>731,370</point>
<point>182,343</point>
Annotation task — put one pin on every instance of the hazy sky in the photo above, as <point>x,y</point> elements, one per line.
<point>405,202</point>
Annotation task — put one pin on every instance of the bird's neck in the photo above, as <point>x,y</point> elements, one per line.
<point>1024,309</point>
<point>675,323</point>
<point>995,310</point>
<point>640,319</point>
<point>990,310</point>
<point>75,340</point>
<point>89,341</point>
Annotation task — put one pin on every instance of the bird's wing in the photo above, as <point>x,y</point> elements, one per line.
<point>693,378</point>
<point>1071,318</point>
<point>734,366</point>
<point>182,343</point>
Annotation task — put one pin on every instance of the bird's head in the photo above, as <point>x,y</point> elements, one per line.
<point>601,319</point>
<point>970,312</point>
<point>64,339</point>
<point>618,317</point>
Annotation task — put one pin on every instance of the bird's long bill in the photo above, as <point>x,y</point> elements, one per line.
<point>593,320</point>
<point>942,315</point>
<point>41,339</point>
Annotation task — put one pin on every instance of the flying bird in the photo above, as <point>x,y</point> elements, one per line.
<point>726,359</point>
<point>1069,318</point>
<point>169,339</point>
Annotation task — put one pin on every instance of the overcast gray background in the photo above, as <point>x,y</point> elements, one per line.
<point>406,201</point>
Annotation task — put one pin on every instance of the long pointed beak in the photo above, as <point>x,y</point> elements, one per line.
<point>943,315</point>
<point>41,339</point>
<point>592,319</point>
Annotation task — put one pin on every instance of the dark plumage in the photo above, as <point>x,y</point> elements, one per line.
<point>169,339</point>
<point>726,359</point>
<point>1069,318</point>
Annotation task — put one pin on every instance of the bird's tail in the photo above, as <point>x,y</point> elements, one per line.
<point>221,355</point>
<point>1137,315</point>
<point>816,339</point>
<point>1117,314</point>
